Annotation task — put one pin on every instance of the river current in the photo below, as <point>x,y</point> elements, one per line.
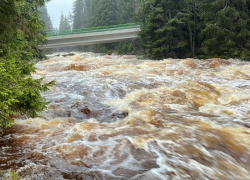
<point>123,117</point>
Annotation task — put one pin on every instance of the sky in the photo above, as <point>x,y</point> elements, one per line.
<point>55,7</point>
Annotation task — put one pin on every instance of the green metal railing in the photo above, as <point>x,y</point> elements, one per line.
<point>93,29</point>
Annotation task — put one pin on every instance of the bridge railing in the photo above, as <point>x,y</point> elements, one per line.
<point>93,29</point>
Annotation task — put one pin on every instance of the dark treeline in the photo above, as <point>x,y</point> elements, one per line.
<point>170,28</point>
<point>195,28</point>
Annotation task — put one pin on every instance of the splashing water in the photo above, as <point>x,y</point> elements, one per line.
<point>119,117</point>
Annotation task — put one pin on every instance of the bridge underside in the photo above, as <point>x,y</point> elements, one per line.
<point>91,38</point>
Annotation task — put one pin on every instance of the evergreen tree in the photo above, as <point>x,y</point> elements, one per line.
<point>45,18</point>
<point>81,13</point>
<point>81,17</point>
<point>104,13</point>
<point>192,24</point>
<point>226,33</point>
<point>161,29</point>
<point>70,19</point>
<point>181,28</point>
<point>61,24</point>
<point>86,13</point>
<point>78,8</point>
<point>64,23</point>
<point>64,26</point>
<point>110,12</point>
<point>127,9</point>
<point>92,13</point>
<point>19,35</point>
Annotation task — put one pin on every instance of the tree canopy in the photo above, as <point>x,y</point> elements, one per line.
<point>64,23</point>
<point>20,33</point>
<point>195,28</point>
<point>45,18</point>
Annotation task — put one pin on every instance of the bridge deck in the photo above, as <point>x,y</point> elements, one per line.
<point>95,35</point>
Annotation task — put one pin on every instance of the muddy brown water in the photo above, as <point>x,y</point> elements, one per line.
<point>120,117</point>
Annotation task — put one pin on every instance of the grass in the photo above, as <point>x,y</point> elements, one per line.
<point>9,175</point>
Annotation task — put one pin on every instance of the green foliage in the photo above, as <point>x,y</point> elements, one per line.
<point>226,33</point>
<point>110,12</point>
<point>2,173</point>
<point>124,47</point>
<point>127,11</point>
<point>14,175</point>
<point>81,13</point>
<point>160,31</point>
<point>64,23</point>
<point>81,17</point>
<point>11,175</point>
<point>91,13</point>
<point>45,18</point>
<point>19,36</point>
<point>104,13</point>
<point>46,21</point>
<point>195,28</point>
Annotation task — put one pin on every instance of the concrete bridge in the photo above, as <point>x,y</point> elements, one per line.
<point>93,35</point>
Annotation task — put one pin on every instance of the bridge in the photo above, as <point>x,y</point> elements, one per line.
<point>92,35</point>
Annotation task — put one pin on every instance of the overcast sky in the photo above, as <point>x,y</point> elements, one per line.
<point>55,7</point>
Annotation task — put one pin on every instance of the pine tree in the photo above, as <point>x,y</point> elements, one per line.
<point>64,26</point>
<point>127,14</point>
<point>226,33</point>
<point>81,13</point>
<point>67,23</point>
<point>127,9</point>
<point>20,33</point>
<point>104,13</point>
<point>64,23</point>
<point>46,18</point>
<point>86,13</point>
<point>78,8</point>
<point>81,17</point>
<point>189,16</point>
<point>70,19</point>
<point>161,31</point>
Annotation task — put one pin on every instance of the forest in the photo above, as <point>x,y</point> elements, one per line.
<point>169,29</point>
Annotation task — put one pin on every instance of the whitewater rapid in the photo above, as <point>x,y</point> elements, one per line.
<point>124,117</point>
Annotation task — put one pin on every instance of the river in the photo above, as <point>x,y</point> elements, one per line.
<point>123,117</point>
